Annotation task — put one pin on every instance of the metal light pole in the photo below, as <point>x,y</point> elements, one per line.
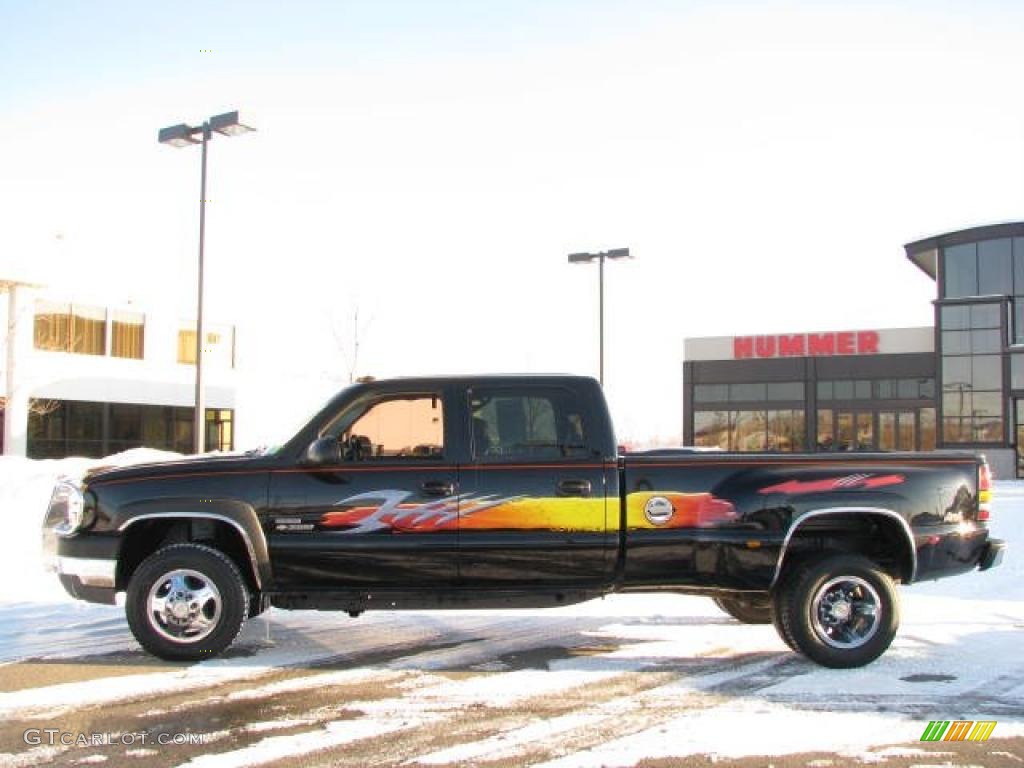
<point>183,135</point>
<point>586,258</point>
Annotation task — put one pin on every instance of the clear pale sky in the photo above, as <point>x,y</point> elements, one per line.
<point>432,163</point>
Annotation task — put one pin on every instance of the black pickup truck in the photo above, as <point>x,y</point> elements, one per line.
<point>508,491</point>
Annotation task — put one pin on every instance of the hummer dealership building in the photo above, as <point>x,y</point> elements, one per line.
<point>956,385</point>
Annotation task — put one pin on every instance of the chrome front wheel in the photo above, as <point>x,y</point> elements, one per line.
<point>186,602</point>
<point>184,606</point>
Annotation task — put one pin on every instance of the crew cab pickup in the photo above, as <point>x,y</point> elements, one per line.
<point>508,491</point>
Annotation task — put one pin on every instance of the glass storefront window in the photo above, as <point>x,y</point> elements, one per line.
<point>749,433</point>
<point>887,430</point>
<point>865,432</point>
<point>844,432</point>
<point>711,429</point>
<point>59,428</point>
<point>774,430</point>
<point>927,419</point>
<point>826,437</point>
<point>786,431</point>
<point>906,431</point>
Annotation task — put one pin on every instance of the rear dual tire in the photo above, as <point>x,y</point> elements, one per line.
<point>841,611</point>
<point>746,610</point>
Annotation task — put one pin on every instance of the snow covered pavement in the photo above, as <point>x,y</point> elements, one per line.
<point>611,682</point>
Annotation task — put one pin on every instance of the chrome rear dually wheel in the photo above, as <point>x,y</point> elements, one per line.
<point>839,610</point>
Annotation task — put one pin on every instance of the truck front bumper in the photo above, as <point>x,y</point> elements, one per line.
<point>89,579</point>
<point>992,555</point>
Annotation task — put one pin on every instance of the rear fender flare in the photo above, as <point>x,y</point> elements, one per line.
<point>875,511</point>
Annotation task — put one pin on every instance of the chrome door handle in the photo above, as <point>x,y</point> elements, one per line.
<point>438,488</point>
<point>573,487</point>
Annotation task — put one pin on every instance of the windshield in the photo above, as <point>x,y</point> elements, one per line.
<point>283,437</point>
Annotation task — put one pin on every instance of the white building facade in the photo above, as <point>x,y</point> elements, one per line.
<point>92,378</point>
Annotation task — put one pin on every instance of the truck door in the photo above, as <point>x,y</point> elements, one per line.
<point>384,515</point>
<point>533,507</point>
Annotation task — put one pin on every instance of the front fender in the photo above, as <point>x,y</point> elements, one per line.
<point>241,516</point>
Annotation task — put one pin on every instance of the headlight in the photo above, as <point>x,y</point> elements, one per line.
<point>68,503</point>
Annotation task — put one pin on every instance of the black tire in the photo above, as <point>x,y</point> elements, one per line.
<point>840,611</point>
<point>203,597</point>
<point>746,609</point>
<point>777,618</point>
<point>258,604</point>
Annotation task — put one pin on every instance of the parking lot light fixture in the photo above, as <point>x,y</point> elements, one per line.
<point>600,257</point>
<point>183,135</point>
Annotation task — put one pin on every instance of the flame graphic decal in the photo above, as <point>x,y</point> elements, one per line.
<point>830,484</point>
<point>390,510</point>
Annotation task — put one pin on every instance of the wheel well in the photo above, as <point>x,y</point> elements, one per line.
<point>875,535</point>
<point>145,537</point>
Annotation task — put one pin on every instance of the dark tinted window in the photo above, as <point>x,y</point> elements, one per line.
<point>786,390</point>
<point>711,393</point>
<point>527,424</point>
<point>961,270</point>
<point>956,318</point>
<point>1018,266</point>
<point>984,315</point>
<point>747,392</point>
<point>995,267</point>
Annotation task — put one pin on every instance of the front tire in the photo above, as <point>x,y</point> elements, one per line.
<point>186,602</point>
<point>841,611</point>
<point>746,610</point>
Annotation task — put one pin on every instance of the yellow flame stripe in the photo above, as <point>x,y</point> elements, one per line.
<point>593,515</point>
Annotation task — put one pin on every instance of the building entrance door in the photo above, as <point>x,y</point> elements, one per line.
<point>897,430</point>
<point>855,430</point>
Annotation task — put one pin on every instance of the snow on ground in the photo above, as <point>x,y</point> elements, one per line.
<point>697,679</point>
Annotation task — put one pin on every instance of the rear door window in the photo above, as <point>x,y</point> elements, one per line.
<point>526,424</point>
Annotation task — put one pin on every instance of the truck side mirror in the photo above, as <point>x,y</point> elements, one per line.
<point>323,451</point>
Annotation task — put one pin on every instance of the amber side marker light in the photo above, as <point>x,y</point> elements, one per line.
<point>984,492</point>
